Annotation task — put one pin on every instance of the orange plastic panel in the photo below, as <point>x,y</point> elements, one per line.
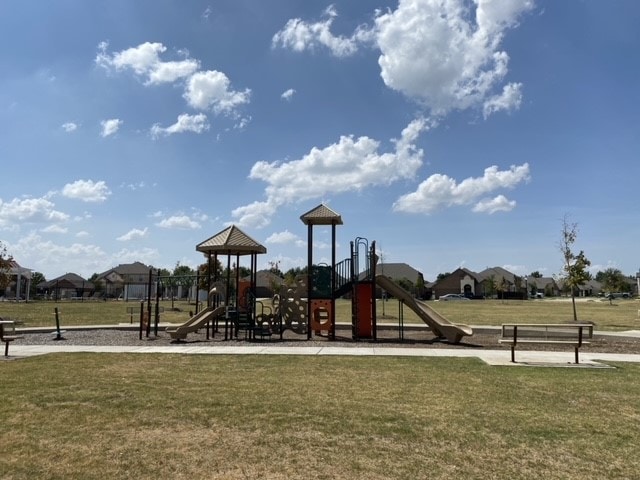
<point>364,310</point>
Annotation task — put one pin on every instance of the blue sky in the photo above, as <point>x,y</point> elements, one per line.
<point>453,133</point>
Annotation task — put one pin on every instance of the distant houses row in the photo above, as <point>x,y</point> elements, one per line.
<point>130,281</point>
<point>126,281</point>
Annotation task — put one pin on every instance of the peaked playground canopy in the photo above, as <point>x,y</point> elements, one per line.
<point>231,241</point>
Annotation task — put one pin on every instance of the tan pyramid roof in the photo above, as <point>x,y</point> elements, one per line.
<point>231,241</point>
<point>321,215</point>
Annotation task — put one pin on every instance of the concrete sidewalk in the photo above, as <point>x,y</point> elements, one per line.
<point>491,357</point>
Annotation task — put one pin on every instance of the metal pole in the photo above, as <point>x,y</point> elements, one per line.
<point>332,333</point>
<point>374,313</point>
<point>141,317</point>
<point>309,278</point>
<point>58,332</point>
<point>149,303</point>
<point>228,292</point>
<point>157,315</point>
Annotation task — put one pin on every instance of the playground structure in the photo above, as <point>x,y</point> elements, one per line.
<point>308,306</point>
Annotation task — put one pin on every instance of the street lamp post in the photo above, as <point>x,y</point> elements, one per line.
<point>526,288</point>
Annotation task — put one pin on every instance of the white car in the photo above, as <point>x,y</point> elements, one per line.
<point>452,296</point>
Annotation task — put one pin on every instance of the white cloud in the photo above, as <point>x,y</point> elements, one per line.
<point>242,123</point>
<point>457,42</point>
<point>87,190</point>
<point>69,127</point>
<point>133,234</point>
<point>459,49</point>
<point>82,234</point>
<point>186,123</point>
<point>204,90</point>
<point>207,13</point>
<point>55,229</point>
<point>348,165</point>
<point>283,238</point>
<point>493,205</point>
<point>110,127</point>
<point>440,191</point>
<point>517,269</point>
<point>54,259</point>
<point>145,255</point>
<point>299,35</point>
<point>211,90</point>
<point>288,94</point>
<point>35,210</point>
<point>509,99</point>
<point>134,186</point>
<point>145,61</point>
<point>179,222</point>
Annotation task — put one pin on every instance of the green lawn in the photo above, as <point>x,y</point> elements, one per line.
<point>622,315</point>
<point>95,416</point>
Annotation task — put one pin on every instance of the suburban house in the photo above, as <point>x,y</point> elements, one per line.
<point>20,284</point>
<point>459,281</point>
<point>129,281</point>
<point>493,283</point>
<point>69,286</point>
<point>546,286</point>
<point>589,289</point>
<point>499,282</point>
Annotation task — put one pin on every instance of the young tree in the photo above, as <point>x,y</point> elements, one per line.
<point>574,266</point>
<point>420,286</point>
<point>613,280</point>
<point>5,266</point>
<point>491,286</point>
<point>274,267</point>
<point>502,286</point>
<point>36,279</point>
<point>442,275</point>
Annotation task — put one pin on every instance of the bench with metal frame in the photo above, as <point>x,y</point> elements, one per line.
<point>575,334</point>
<point>7,334</point>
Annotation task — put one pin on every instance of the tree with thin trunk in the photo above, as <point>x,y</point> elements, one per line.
<point>5,267</point>
<point>574,268</point>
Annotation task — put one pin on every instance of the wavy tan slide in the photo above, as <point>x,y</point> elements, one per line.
<point>196,322</point>
<point>439,325</point>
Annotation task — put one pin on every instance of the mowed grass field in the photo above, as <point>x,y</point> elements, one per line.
<point>95,416</point>
<point>623,314</point>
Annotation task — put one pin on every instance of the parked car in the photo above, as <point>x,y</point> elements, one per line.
<point>452,296</point>
<point>611,296</point>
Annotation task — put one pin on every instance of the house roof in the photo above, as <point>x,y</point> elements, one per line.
<point>68,280</point>
<point>231,241</point>
<point>497,273</point>
<point>398,271</point>
<point>541,282</point>
<point>15,269</point>
<point>135,268</point>
<point>458,272</point>
<point>321,215</point>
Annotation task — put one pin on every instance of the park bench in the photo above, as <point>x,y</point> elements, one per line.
<point>575,334</point>
<point>7,334</point>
